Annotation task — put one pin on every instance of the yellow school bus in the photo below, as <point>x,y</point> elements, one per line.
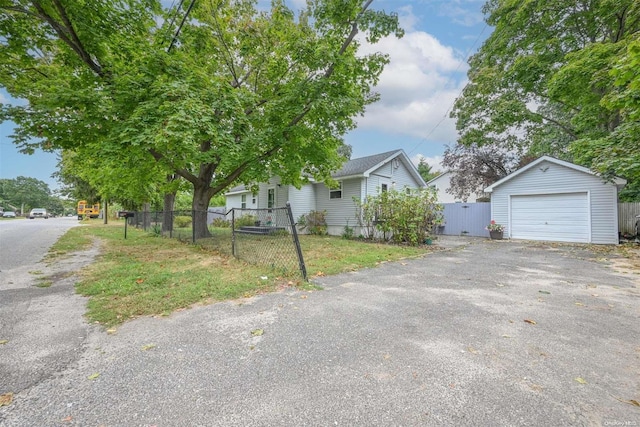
<point>87,210</point>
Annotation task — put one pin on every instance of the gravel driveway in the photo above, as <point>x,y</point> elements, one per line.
<point>483,334</point>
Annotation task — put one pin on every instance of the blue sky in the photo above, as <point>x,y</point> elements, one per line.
<point>426,73</point>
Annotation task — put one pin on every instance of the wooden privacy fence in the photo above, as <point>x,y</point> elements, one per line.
<point>470,219</point>
<point>466,219</point>
<point>627,217</point>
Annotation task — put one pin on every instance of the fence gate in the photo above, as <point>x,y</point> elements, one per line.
<point>267,237</point>
<point>627,217</point>
<point>466,219</point>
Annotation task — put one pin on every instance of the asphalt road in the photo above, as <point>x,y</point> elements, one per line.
<point>26,241</point>
<point>487,334</point>
<point>43,326</point>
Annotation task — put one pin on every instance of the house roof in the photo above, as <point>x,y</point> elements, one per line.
<point>489,189</point>
<point>363,165</point>
<point>360,167</point>
<point>446,174</point>
<point>238,189</point>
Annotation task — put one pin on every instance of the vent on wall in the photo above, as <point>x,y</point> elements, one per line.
<point>396,163</point>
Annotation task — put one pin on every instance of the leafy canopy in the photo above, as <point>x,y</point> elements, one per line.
<point>557,77</point>
<point>244,94</point>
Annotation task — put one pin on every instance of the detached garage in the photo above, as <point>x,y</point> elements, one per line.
<point>554,200</point>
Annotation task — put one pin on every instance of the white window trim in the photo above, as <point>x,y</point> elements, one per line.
<point>274,197</point>
<point>333,191</point>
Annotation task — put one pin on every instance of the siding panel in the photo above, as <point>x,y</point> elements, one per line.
<point>550,178</point>
<point>339,210</point>
<point>466,219</point>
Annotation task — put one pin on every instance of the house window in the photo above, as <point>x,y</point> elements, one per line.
<point>336,193</point>
<point>384,188</point>
<point>244,201</point>
<point>271,198</point>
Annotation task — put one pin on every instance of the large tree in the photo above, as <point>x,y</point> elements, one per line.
<point>476,167</point>
<point>232,95</point>
<point>25,193</point>
<point>425,170</point>
<point>549,78</point>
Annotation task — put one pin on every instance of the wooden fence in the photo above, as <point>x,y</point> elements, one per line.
<point>466,219</point>
<point>627,217</point>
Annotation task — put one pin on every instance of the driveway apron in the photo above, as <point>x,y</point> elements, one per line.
<point>486,333</point>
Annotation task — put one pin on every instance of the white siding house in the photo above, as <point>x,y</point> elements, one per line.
<point>554,200</point>
<point>357,178</point>
<point>442,183</point>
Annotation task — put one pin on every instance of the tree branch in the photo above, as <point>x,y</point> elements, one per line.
<point>68,35</point>
<point>562,126</point>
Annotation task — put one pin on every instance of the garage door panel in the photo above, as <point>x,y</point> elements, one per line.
<point>554,217</point>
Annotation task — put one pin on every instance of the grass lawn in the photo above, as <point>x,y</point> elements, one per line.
<point>150,275</point>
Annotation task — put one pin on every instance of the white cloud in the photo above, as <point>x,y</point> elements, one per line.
<point>417,88</point>
<point>407,18</point>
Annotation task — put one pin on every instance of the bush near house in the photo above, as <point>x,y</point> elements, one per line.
<point>315,222</point>
<point>399,216</point>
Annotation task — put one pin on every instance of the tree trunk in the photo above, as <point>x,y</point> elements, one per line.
<point>146,216</point>
<point>201,197</point>
<point>167,213</point>
<point>105,212</point>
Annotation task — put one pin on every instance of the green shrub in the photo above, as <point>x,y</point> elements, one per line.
<point>348,232</point>
<point>156,230</point>
<point>400,216</point>
<point>245,220</point>
<point>220,223</point>
<point>182,221</point>
<point>314,222</point>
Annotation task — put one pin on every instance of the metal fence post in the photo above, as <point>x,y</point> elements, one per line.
<point>296,241</point>
<point>233,232</point>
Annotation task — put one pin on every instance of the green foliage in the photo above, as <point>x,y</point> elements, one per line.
<point>27,192</point>
<point>182,221</point>
<point>424,169</point>
<point>156,230</point>
<point>244,94</point>
<point>561,78</point>
<point>400,216</point>
<point>348,232</point>
<point>245,221</point>
<point>220,223</point>
<point>314,222</point>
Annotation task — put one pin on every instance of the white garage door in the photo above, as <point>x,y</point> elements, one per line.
<point>554,217</point>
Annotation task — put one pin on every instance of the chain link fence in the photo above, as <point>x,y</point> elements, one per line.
<point>258,236</point>
<point>267,237</point>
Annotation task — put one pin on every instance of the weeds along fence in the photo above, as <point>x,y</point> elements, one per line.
<point>267,237</point>
<point>258,236</point>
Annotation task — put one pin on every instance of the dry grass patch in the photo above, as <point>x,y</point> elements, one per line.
<point>149,275</point>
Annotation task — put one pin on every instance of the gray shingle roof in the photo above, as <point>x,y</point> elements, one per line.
<point>353,167</point>
<point>363,164</point>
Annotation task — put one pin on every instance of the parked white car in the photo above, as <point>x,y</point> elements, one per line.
<point>9,214</point>
<point>38,213</point>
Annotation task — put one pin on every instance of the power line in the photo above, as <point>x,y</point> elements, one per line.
<point>446,114</point>
<point>175,37</point>
<point>175,15</point>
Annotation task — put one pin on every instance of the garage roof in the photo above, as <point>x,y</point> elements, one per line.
<point>489,189</point>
